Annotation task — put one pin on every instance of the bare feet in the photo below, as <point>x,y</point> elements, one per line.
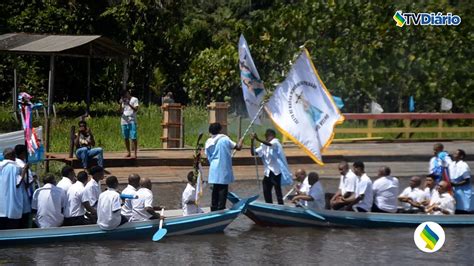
<point>134,156</point>
<point>128,155</point>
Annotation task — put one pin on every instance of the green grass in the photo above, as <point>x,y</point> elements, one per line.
<point>105,124</point>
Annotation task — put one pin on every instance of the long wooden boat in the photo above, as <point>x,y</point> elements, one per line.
<point>280,215</point>
<point>175,223</point>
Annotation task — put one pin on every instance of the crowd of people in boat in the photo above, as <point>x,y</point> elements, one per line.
<point>75,199</point>
<point>79,200</point>
<point>433,194</point>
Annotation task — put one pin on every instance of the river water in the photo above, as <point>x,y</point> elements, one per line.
<point>244,243</point>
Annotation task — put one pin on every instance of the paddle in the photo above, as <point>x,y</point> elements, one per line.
<point>161,231</point>
<point>313,213</point>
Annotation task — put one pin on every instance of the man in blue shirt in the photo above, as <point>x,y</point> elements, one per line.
<point>11,198</point>
<point>218,149</point>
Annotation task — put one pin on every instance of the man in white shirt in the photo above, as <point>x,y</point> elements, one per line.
<point>363,198</point>
<point>188,199</point>
<point>108,206</point>
<point>271,152</point>
<point>430,190</point>
<point>143,206</point>
<point>300,185</point>
<point>128,120</point>
<point>91,193</point>
<point>412,196</point>
<point>315,198</point>
<point>347,187</point>
<point>130,190</point>
<point>460,175</point>
<point>49,202</point>
<point>386,189</point>
<point>75,211</point>
<point>68,178</point>
<point>444,204</point>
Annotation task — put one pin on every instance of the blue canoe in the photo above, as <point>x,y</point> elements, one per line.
<point>204,223</point>
<point>280,215</point>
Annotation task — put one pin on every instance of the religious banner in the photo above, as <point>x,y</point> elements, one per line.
<point>252,85</point>
<point>303,110</point>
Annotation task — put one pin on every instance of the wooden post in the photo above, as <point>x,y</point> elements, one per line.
<point>406,124</point>
<point>440,128</point>
<point>181,133</point>
<point>218,113</point>
<point>370,126</point>
<point>15,94</point>
<point>172,118</point>
<point>88,95</point>
<point>50,107</point>
<point>72,134</point>
<point>125,73</point>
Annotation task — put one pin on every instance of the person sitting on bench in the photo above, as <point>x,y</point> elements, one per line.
<point>85,142</point>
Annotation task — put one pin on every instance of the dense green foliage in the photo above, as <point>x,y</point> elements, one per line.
<point>189,47</point>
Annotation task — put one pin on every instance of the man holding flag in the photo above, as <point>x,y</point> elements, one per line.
<point>276,167</point>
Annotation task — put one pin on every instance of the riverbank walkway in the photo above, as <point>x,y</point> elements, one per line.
<point>172,165</point>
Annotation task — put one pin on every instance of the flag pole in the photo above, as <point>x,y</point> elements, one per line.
<point>251,123</point>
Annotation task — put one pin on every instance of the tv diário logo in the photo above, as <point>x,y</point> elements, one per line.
<point>426,19</point>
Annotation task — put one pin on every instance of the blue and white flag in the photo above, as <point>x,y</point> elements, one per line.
<point>303,110</point>
<point>252,85</point>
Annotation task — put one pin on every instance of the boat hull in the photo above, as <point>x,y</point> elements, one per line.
<point>204,223</point>
<point>279,215</point>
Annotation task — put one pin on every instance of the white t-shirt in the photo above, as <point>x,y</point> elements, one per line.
<point>128,115</point>
<point>74,207</point>
<point>189,194</point>
<point>108,210</point>
<point>64,184</point>
<point>415,194</point>
<point>445,202</point>
<point>269,155</point>
<point>386,190</point>
<point>305,187</point>
<point>49,201</point>
<point>364,186</point>
<point>91,193</point>
<point>348,183</point>
<point>127,203</point>
<point>431,193</point>
<point>458,169</point>
<point>145,199</point>
<point>317,193</point>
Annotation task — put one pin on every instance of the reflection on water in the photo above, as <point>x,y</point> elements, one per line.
<point>244,243</point>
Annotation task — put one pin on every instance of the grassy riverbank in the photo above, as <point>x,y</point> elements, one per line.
<point>105,124</point>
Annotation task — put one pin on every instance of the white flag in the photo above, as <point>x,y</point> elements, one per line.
<point>446,104</point>
<point>252,85</point>
<point>375,108</point>
<point>303,110</point>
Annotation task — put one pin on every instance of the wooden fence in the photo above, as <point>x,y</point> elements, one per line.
<point>408,128</point>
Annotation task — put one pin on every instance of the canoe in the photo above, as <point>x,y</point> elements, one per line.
<point>281,215</point>
<point>266,214</point>
<point>204,223</point>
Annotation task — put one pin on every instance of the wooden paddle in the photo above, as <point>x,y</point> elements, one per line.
<point>161,231</point>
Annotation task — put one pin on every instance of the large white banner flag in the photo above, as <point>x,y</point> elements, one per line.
<point>303,109</point>
<point>252,85</point>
